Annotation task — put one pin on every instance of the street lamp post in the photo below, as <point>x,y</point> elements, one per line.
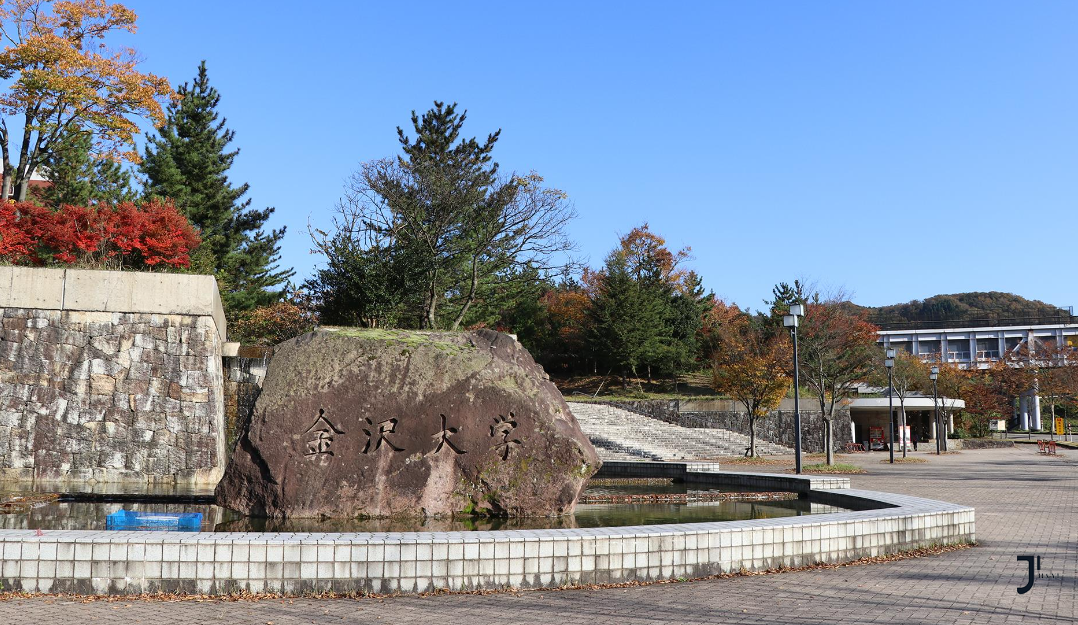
<point>889,362</point>
<point>790,321</point>
<point>935,404</point>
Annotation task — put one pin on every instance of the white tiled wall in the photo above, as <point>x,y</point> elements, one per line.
<point>219,563</point>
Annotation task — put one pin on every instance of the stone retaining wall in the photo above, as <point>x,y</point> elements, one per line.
<point>109,395</point>
<point>662,409</point>
<point>244,374</point>
<point>777,427</point>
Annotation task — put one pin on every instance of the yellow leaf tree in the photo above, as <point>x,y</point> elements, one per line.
<point>751,365</point>
<point>62,77</point>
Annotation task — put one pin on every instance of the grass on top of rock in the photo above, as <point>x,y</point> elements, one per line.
<point>408,338</point>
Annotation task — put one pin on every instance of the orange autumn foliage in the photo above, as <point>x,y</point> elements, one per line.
<point>568,311</point>
<point>751,365</point>
<point>273,324</point>
<point>644,250</point>
<point>645,254</point>
<point>63,76</point>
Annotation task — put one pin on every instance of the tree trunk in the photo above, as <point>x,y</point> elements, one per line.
<point>9,170</point>
<point>22,174</point>
<point>20,189</point>
<point>471,294</point>
<point>830,433</point>
<point>826,425</point>
<point>429,314</point>
<point>752,436</point>
<point>944,420</point>
<point>902,429</point>
<point>24,180</point>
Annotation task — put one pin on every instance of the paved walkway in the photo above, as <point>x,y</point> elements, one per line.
<point>1026,504</point>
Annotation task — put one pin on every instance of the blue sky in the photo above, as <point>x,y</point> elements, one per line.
<point>896,150</point>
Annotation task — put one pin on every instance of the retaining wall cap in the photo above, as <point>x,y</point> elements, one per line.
<point>112,291</point>
<point>31,287</point>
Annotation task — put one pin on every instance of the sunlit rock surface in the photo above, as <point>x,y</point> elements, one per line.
<point>396,423</point>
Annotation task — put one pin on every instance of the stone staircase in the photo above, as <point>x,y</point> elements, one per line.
<point>619,434</point>
<point>610,450</point>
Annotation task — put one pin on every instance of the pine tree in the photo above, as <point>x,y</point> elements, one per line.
<point>467,233</point>
<point>686,319</point>
<point>81,178</point>
<point>784,296</point>
<point>626,320</point>
<point>367,287</point>
<point>189,162</point>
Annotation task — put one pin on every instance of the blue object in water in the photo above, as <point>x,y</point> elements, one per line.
<point>145,521</point>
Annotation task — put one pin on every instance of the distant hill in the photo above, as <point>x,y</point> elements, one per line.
<point>991,308</point>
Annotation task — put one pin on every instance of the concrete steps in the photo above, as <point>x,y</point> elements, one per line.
<point>619,434</point>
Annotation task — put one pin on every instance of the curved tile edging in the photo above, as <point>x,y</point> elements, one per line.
<point>97,562</point>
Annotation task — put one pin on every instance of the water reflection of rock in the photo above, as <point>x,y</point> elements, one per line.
<point>103,488</point>
<point>587,515</point>
<point>459,524</point>
<point>91,515</point>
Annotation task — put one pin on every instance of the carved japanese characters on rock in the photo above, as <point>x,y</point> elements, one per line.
<point>396,423</point>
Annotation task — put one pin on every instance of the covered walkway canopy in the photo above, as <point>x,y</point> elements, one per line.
<point>869,412</point>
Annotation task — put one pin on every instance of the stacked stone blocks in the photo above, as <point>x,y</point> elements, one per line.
<point>243,377</point>
<point>109,396</point>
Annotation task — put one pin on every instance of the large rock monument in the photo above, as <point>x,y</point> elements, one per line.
<point>386,423</point>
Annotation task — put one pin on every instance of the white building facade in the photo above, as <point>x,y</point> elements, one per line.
<point>979,347</point>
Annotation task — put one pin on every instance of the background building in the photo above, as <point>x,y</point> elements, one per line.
<point>980,346</point>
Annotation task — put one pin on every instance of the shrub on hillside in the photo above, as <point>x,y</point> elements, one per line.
<point>272,324</point>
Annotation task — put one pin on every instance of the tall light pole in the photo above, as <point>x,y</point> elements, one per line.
<point>790,321</point>
<point>935,371</point>
<point>889,362</point>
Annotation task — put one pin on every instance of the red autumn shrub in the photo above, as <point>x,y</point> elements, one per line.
<point>101,236</point>
<point>80,234</point>
<point>18,244</point>
<point>23,228</point>
<point>159,232</point>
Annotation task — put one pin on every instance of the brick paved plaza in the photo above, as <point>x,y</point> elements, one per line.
<point>1025,505</point>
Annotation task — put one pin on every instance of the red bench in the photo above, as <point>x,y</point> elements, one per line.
<point>1047,448</point>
